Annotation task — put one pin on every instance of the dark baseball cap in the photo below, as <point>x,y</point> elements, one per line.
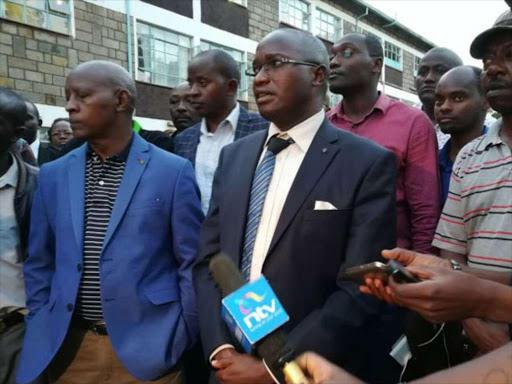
<point>502,24</point>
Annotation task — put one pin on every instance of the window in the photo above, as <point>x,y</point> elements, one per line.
<point>54,15</point>
<point>417,61</point>
<point>239,58</point>
<point>294,13</point>
<point>393,56</point>
<point>329,26</point>
<point>163,55</point>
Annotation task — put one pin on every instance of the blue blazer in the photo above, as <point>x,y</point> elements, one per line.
<point>185,143</point>
<point>151,242</point>
<point>310,248</point>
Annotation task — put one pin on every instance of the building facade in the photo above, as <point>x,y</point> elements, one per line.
<point>41,41</point>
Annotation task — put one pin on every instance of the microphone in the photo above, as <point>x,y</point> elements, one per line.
<point>255,327</point>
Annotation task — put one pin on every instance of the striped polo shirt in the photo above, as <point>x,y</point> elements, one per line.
<point>102,181</point>
<point>477,217</point>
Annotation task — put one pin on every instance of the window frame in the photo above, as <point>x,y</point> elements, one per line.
<point>390,62</point>
<point>307,15</point>
<point>48,12</point>
<point>338,30</point>
<point>153,39</point>
<point>416,65</point>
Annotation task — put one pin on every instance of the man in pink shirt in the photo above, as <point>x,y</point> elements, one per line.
<point>356,65</point>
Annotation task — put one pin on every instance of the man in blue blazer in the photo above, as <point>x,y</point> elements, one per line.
<point>214,78</point>
<point>299,203</point>
<point>113,237</point>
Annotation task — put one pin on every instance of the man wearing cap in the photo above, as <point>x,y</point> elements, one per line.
<point>475,224</point>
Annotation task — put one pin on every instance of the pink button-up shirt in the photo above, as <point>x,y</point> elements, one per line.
<point>409,133</point>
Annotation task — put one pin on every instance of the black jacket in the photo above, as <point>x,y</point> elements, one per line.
<point>25,191</point>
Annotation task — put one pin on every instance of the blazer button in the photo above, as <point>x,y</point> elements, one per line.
<point>69,307</point>
<point>79,267</point>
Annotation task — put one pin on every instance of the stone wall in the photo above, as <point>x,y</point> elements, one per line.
<point>35,62</point>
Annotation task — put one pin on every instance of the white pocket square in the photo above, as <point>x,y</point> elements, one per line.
<point>324,206</point>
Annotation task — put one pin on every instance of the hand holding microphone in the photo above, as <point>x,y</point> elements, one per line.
<point>253,314</point>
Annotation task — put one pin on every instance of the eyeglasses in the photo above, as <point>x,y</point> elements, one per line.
<point>274,65</point>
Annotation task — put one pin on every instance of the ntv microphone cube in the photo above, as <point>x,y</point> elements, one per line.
<point>252,312</point>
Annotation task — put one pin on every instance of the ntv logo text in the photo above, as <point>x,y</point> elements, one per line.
<point>261,314</point>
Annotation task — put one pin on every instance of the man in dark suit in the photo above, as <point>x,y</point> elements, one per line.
<point>114,233</point>
<point>299,203</point>
<point>214,79</point>
<point>43,152</point>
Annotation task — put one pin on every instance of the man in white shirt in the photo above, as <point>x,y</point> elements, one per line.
<point>299,203</point>
<point>18,182</point>
<point>214,78</point>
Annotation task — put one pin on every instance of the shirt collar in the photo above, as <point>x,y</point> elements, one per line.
<point>493,135</point>
<point>121,156</point>
<point>230,121</point>
<point>382,104</point>
<point>11,176</point>
<point>303,133</point>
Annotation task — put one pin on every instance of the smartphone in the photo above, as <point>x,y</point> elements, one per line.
<point>372,270</point>
<point>400,274</point>
<point>382,272</point>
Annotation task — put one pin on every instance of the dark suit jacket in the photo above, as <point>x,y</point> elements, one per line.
<point>186,142</point>
<point>310,249</point>
<point>47,153</point>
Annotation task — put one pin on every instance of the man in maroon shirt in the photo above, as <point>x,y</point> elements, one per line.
<point>356,65</point>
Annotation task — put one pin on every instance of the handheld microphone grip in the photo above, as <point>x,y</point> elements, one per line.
<point>272,348</point>
<point>226,274</point>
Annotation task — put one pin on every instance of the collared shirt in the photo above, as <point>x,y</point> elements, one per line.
<point>35,148</point>
<point>288,162</point>
<point>477,217</point>
<point>442,138</point>
<point>12,286</point>
<point>102,181</point>
<point>409,133</point>
<point>446,167</point>
<point>208,153</point>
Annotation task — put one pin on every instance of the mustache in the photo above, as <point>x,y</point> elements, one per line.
<point>497,84</point>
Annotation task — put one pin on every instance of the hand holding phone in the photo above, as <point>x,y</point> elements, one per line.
<point>382,272</point>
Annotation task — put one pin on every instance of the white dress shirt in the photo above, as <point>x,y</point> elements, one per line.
<point>288,162</point>
<point>208,152</point>
<point>35,148</point>
<point>12,286</point>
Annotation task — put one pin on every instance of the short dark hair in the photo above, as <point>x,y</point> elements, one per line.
<point>35,108</point>
<point>58,120</point>
<point>224,62</point>
<point>478,79</point>
<point>374,46</point>
<point>12,107</point>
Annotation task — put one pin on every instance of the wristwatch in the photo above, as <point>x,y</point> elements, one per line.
<point>455,265</point>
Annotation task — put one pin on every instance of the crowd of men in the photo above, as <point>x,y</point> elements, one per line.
<point>105,249</point>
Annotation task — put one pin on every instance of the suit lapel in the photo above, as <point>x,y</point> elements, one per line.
<point>76,177</point>
<point>135,165</point>
<point>317,159</point>
<point>241,176</point>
